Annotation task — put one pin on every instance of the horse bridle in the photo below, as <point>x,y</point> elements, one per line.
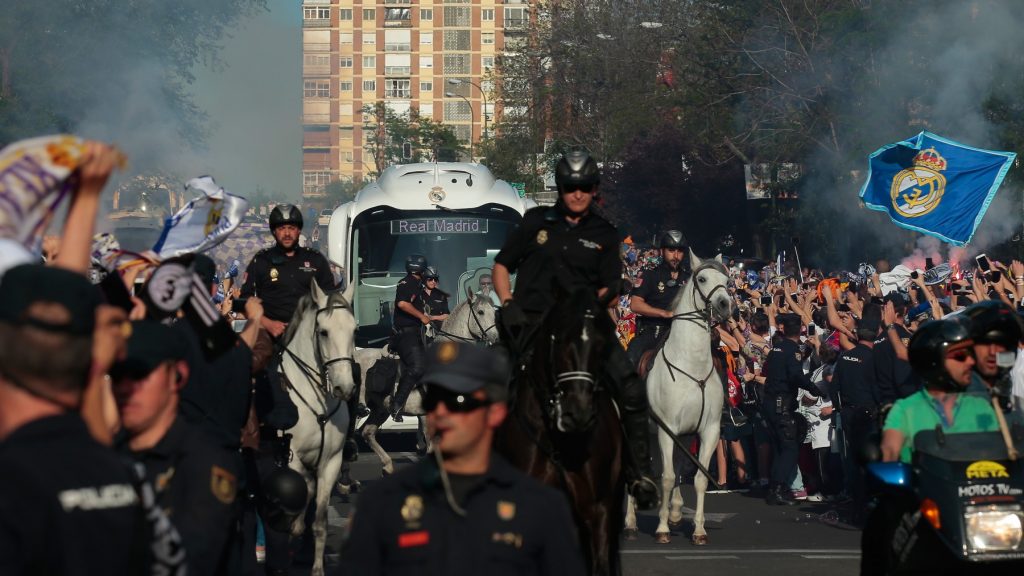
<point>320,373</point>
<point>562,378</point>
<point>701,315</point>
<point>469,329</point>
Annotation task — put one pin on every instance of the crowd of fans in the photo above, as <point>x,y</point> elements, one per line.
<point>875,308</point>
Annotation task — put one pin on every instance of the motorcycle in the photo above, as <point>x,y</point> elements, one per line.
<point>959,509</point>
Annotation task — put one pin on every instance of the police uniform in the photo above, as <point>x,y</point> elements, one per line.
<point>403,524</point>
<point>893,376</point>
<point>658,289</point>
<point>435,304</point>
<point>68,505</point>
<point>407,337</point>
<point>784,376</point>
<point>854,381</point>
<point>195,479</point>
<point>281,280</point>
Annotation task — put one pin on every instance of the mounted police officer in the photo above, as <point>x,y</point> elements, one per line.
<point>467,510</point>
<point>280,276</point>
<point>408,330</point>
<point>435,300</point>
<point>564,248</point>
<point>652,301</point>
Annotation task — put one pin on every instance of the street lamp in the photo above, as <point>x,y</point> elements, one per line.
<point>472,119</point>
<point>483,94</point>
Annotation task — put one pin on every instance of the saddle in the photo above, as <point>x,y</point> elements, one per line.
<point>646,362</point>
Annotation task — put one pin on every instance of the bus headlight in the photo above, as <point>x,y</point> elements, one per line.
<point>994,528</point>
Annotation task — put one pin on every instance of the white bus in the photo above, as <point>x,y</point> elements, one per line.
<point>456,215</point>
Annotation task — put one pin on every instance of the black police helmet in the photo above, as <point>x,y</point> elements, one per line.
<point>284,498</point>
<point>994,321</point>
<point>430,274</point>
<point>576,170</point>
<point>415,264</point>
<point>928,346</point>
<point>672,239</point>
<point>285,214</point>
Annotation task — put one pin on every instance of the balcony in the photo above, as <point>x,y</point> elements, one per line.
<point>316,2</point>
<point>316,23</point>
<point>406,23</point>
<point>400,93</point>
<point>398,70</point>
<point>320,139</point>
<point>516,23</point>
<point>316,70</point>
<point>316,46</point>
<point>398,47</point>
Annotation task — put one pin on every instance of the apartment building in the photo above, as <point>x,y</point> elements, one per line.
<point>436,57</point>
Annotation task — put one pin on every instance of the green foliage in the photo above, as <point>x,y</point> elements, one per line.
<point>387,133</point>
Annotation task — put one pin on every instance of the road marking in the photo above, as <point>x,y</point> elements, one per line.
<point>845,551</point>
<point>832,556</point>
<point>716,557</point>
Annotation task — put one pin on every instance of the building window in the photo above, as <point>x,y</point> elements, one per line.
<point>344,38</point>
<point>369,38</point>
<point>369,62</point>
<point>456,39</point>
<point>516,17</point>
<point>426,62</point>
<point>426,86</point>
<point>456,16</point>
<point>426,38</point>
<point>345,86</point>
<point>345,109</point>
<point>344,61</point>
<point>369,85</point>
<point>316,60</point>
<point>397,89</point>
<point>313,182</point>
<point>316,13</point>
<point>456,64</point>
<point>487,38</point>
<point>369,15</point>
<point>426,14</point>
<point>345,14</point>
<point>487,62</point>
<point>487,15</point>
<point>316,89</point>
<point>427,109</point>
<point>347,156</point>
<point>398,17</point>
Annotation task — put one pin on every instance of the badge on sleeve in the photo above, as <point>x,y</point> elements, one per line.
<point>542,237</point>
<point>223,484</point>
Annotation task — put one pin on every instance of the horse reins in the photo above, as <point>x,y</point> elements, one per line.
<point>322,418</point>
<point>469,328</point>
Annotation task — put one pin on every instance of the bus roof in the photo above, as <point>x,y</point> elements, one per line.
<point>447,184</point>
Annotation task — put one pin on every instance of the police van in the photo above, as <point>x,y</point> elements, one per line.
<point>456,214</point>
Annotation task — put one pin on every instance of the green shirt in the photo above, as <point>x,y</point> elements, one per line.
<point>920,411</point>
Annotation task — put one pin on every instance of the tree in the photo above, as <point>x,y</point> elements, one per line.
<point>388,133</point>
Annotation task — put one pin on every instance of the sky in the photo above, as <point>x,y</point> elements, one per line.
<point>255,105</point>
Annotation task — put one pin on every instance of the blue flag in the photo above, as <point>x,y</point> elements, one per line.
<point>934,185</point>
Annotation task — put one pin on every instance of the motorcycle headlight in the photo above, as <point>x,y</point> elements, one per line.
<point>994,527</point>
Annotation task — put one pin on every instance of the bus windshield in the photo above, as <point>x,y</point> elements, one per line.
<point>460,245</point>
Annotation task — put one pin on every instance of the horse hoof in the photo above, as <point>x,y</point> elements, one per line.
<point>663,538</point>
<point>700,539</point>
<point>630,534</point>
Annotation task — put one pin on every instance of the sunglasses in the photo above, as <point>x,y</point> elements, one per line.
<point>959,355</point>
<point>453,401</point>
<point>570,188</point>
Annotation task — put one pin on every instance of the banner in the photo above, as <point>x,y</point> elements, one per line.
<point>204,222</point>
<point>934,185</point>
<point>34,181</point>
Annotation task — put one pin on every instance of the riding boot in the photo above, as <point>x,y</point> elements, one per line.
<point>405,386</point>
<point>281,413</point>
<point>351,451</point>
<point>639,475</point>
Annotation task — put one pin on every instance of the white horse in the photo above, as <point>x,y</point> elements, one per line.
<point>473,320</point>
<point>317,363</point>
<point>684,390</point>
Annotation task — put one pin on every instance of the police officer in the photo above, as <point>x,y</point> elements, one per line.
<point>68,505</point>
<point>653,299</point>
<point>194,475</point>
<point>784,375</point>
<point>856,388</point>
<point>893,376</point>
<point>407,333</point>
<point>466,511</point>
<point>435,300</point>
<point>565,248</point>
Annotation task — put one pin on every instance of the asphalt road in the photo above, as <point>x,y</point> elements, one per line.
<point>746,536</point>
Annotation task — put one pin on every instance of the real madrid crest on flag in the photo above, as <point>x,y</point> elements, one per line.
<point>935,185</point>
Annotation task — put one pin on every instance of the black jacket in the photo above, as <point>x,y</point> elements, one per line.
<point>281,280</point>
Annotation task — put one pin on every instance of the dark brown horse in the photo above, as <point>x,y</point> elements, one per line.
<point>563,427</point>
